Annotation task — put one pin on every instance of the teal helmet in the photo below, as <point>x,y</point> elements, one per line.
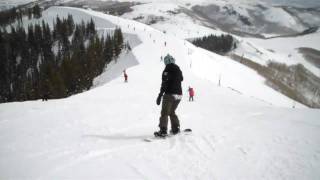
<point>169,59</point>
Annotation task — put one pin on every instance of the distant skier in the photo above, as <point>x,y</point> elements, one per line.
<point>45,96</point>
<point>172,93</point>
<point>125,76</point>
<point>191,93</point>
<point>45,91</point>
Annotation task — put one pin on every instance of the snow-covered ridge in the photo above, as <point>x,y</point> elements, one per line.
<point>187,22</point>
<point>298,3</point>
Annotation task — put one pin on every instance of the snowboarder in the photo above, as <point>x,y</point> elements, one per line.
<point>191,93</point>
<point>171,93</point>
<point>125,76</point>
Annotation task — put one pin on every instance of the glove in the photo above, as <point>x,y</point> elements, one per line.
<point>159,99</point>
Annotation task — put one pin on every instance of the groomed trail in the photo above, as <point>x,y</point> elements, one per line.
<point>246,133</point>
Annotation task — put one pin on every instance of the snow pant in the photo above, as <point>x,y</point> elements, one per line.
<point>169,106</point>
<point>190,98</point>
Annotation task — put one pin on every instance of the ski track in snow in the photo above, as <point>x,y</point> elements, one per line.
<point>99,134</point>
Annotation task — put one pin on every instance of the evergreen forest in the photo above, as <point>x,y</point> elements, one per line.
<point>39,62</point>
<point>218,44</point>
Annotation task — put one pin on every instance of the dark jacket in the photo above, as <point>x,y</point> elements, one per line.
<point>171,80</point>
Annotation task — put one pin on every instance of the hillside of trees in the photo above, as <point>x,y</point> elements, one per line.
<point>218,44</point>
<point>9,16</point>
<point>43,63</point>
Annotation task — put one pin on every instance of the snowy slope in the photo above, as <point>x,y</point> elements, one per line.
<point>98,134</point>
<point>181,25</point>
<point>242,17</point>
<point>278,15</point>
<point>254,18</point>
<point>286,50</point>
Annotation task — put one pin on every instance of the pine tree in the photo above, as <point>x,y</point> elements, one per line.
<point>36,10</point>
<point>108,49</point>
<point>3,62</point>
<point>90,29</point>
<point>70,23</point>
<point>29,13</point>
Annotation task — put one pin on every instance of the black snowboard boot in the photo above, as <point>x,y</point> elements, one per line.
<point>162,133</point>
<point>175,131</point>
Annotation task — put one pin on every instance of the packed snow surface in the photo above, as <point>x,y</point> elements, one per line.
<point>241,129</point>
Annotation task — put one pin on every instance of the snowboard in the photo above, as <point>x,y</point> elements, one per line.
<point>183,132</point>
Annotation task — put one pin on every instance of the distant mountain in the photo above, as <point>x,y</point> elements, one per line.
<point>258,20</point>
<point>6,4</point>
<point>245,18</point>
<point>297,3</point>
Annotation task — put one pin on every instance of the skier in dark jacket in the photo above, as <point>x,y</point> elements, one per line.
<point>125,75</point>
<point>171,92</point>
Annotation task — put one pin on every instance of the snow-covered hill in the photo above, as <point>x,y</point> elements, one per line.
<point>6,4</point>
<point>286,50</point>
<point>241,130</point>
<point>188,19</point>
<point>177,18</point>
<point>298,3</point>
<point>259,18</point>
<point>193,19</point>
